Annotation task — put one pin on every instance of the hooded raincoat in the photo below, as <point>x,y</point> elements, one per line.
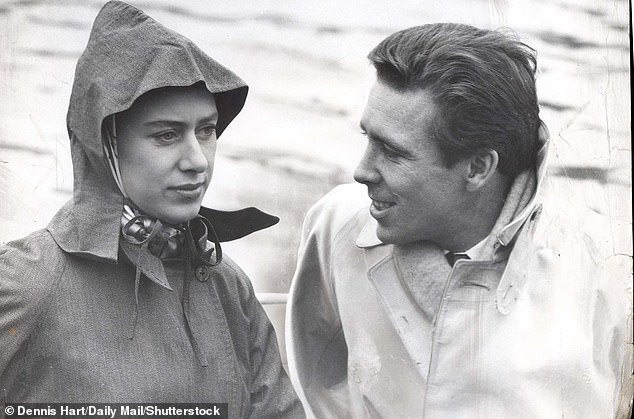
<point>541,328</point>
<point>72,326</point>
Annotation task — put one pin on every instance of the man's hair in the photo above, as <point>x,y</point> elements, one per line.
<point>482,81</point>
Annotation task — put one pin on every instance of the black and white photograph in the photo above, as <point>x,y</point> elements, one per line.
<point>290,209</point>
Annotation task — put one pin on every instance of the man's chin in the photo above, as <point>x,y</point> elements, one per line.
<point>396,236</point>
<point>387,235</point>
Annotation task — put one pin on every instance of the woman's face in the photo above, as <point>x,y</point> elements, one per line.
<point>167,144</point>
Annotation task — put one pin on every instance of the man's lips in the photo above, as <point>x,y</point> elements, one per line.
<point>381,205</point>
<point>379,208</point>
<point>379,202</point>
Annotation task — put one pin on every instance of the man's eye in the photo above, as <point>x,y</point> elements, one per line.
<point>390,152</point>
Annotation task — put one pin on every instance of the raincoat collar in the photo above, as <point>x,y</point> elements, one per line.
<point>128,54</point>
<point>227,226</point>
<point>506,235</point>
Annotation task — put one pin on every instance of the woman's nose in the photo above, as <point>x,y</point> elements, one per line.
<point>193,157</point>
<point>366,171</point>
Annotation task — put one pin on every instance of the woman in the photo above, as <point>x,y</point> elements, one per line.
<point>126,297</point>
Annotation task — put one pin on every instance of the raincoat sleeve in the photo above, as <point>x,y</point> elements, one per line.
<point>29,269</point>
<point>315,343</point>
<point>272,395</point>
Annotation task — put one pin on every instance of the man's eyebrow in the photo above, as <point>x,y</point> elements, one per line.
<point>384,140</point>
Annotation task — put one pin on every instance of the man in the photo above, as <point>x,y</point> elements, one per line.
<point>441,296</point>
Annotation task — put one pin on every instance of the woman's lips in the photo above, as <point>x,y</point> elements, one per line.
<point>189,190</point>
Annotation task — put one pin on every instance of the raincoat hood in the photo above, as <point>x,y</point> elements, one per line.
<point>128,54</point>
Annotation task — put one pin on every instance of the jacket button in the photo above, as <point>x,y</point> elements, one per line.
<point>202,273</point>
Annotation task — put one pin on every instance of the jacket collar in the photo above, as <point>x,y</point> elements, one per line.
<point>507,234</point>
<point>367,237</point>
<point>232,225</point>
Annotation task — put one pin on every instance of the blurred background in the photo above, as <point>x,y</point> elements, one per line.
<point>298,134</point>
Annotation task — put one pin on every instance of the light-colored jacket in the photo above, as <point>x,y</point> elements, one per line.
<point>543,330</point>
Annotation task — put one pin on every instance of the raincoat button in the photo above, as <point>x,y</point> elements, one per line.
<point>202,273</point>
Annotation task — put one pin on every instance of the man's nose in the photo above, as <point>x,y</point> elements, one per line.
<point>366,171</point>
<point>192,158</point>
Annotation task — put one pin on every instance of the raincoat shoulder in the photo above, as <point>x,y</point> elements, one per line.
<point>315,343</point>
<point>30,268</point>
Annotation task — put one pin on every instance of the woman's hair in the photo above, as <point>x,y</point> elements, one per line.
<point>482,81</point>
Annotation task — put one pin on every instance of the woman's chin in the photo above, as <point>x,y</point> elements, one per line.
<point>178,217</point>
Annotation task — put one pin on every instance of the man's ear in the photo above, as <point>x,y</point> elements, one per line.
<point>481,167</point>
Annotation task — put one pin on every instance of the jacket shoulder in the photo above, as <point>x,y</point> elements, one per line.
<point>337,209</point>
<point>586,233</point>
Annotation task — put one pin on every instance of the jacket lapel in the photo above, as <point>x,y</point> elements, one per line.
<point>394,276</point>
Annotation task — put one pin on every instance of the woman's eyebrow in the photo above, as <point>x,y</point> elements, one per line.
<point>163,122</point>
<point>213,119</point>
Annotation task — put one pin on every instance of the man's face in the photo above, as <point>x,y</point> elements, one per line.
<point>414,195</point>
<point>167,145</point>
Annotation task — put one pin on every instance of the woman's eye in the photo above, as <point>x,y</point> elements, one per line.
<point>206,133</point>
<point>167,137</point>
